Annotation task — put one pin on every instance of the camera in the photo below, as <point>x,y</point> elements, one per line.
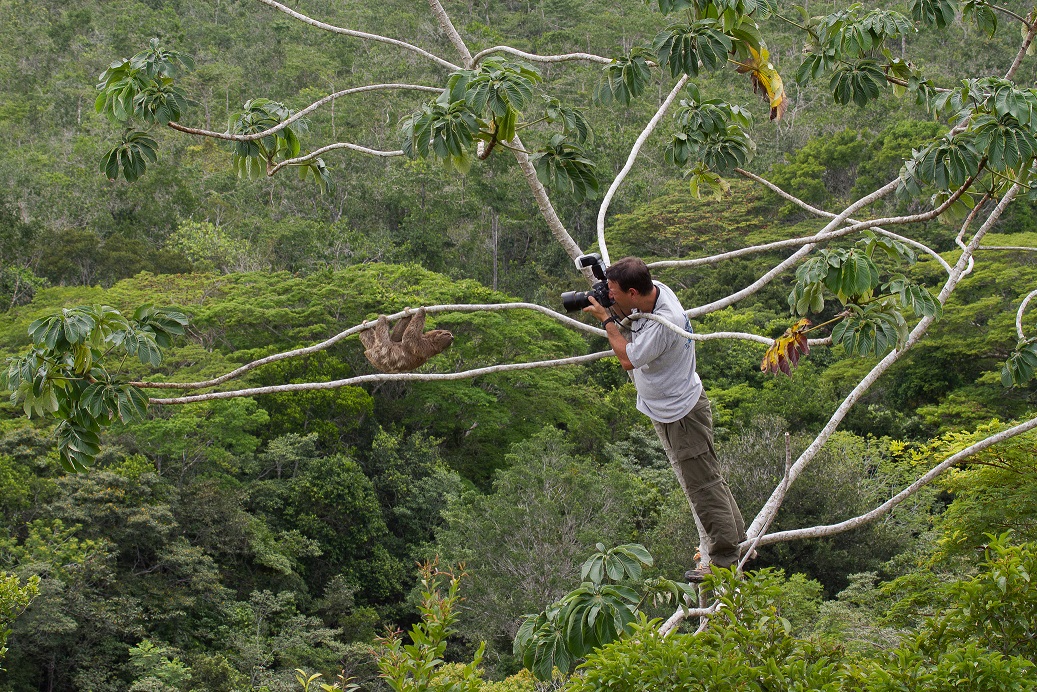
<point>577,300</point>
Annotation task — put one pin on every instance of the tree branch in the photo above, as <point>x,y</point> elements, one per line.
<point>543,201</point>
<point>272,170</point>
<point>827,214</point>
<point>887,506</point>
<point>1031,31</point>
<point>634,151</point>
<point>301,114</point>
<point>532,57</point>
<point>1019,314</point>
<point>360,34</point>
<point>714,335</point>
<point>383,377</point>
<point>448,28</point>
<point>792,259</point>
<point>328,343</point>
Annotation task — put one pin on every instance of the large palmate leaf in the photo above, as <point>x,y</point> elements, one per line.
<point>1006,143</point>
<point>252,158</point>
<point>860,81</point>
<point>681,47</point>
<point>929,12</point>
<point>1021,365</point>
<point>446,131</point>
<point>914,297</point>
<point>130,157</point>
<point>562,166</point>
<point>619,563</point>
<point>870,330</point>
<point>625,78</point>
<point>982,13</point>
<point>574,123</point>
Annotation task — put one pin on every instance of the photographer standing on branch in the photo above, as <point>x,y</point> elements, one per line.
<point>670,392</point>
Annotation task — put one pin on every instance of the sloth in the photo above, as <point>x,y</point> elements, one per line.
<point>407,347</point>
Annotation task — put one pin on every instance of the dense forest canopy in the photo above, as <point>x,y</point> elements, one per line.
<point>271,523</point>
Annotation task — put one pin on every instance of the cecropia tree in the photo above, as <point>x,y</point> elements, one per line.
<point>497,102</point>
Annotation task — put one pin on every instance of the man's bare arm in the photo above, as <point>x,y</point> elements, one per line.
<point>615,335</point>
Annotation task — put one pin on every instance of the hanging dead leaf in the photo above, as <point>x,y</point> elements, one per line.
<point>765,79</point>
<point>784,353</point>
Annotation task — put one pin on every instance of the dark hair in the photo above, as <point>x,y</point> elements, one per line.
<point>631,272</point>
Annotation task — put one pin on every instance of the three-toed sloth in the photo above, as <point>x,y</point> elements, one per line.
<point>407,347</point>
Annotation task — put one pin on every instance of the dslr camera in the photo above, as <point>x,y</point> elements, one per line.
<point>577,300</point>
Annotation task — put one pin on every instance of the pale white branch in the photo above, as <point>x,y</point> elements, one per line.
<point>431,309</point>
<point>887,506</point>
<point>832,225</point>
<point>543,201</point>
<point>794,242</point>
<point>676,619</point>
<point>1013,248</point>
<point>360,34</point>
<point>382,377</point>
<point>714,335</point>
<point>328,343</point>
<point>301,114</point>
<point>634,151</point>
<point>448,28</point>
<point>532,57</point>
<point>841,232</point>
<point>1019,314</point>
<point>1031,32</point>
<point>272,170</point>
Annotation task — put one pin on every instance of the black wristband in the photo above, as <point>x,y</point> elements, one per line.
<point>607,320</point>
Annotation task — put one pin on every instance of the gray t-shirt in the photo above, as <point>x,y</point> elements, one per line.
<point>664,362</point>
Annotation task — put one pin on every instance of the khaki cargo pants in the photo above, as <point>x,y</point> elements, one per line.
<point>694,460</point>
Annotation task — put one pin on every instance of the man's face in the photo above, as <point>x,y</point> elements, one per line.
<point>624,299</point>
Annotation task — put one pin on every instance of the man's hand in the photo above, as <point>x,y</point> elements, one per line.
<point>595,309</point>
<point>616,340</point>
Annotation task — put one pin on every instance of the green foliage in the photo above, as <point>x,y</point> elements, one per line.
<point>682,46</point>
<point>562,165</point>
<point>253,158</point>
<point>141,89</point>
<point>157,668</point>
<point>711,132</point>
<point>66,371</point>
<point>625,78</point>
<point>748,645</point>
<point>597,613</point>
<point>414,667</point>
<point>15,597</point>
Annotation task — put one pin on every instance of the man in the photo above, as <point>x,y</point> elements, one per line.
<point>669,392</point>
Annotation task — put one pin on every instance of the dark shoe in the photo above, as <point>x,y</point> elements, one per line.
<point>697,575</point>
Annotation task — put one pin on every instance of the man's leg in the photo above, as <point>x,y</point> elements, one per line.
<point>695,463</point>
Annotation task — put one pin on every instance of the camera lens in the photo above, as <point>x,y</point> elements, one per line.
<point>575,300</point>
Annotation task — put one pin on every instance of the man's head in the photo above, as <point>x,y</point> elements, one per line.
<point>630,282</point>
